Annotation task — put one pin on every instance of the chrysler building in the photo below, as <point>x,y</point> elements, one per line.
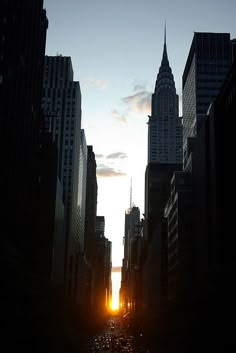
<point>165,132</point>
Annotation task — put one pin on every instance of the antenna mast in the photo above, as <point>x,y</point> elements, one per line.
<point>165,34</point>
<point>130,193</point>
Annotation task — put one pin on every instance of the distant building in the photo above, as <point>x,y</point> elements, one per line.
<point>132,227</point>
<point>82,188</point>
<point>91,204</point>
<point>132,219</point>
<point>165,130</point>
<point>100,226</point>
<point>59,240</point>
<point>90,230</point>
<point>102,265</point>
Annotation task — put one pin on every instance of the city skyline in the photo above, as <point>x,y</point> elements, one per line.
<point>116,51</point>
<point>116,136</point>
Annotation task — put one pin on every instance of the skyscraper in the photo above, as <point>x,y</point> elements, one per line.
<point>207,64</point>
<point>165,136</point>
<point>165,125</point>
<point>62,106</point>
<point>22,50</point>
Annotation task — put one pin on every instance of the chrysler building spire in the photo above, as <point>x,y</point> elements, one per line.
<point>165,61</point>
<point>165,34</point>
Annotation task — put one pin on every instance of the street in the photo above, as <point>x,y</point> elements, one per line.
<point>114,339</point>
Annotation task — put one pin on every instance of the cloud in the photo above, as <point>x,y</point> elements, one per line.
<point>139,87</point>
<point>118,116</point>
<point>140,101</point>
<point>104,171</point>
<point>94,82</point>
<point>115,155</point>
<point>99,155</point>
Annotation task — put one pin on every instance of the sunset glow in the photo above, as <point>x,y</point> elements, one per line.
<point>115,304</point>
<point>116,278</point>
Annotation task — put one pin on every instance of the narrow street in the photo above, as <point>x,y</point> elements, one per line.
<point>114,339</point>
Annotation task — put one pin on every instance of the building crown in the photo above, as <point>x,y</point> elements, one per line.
<point>164,76</point>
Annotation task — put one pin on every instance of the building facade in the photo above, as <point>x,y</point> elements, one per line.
<point>178,214</point>
<point>82,188</point>
<point>23,278</point>
<point>62,105</point>
<point>22,49</point>
<point>208,62</point>
<point>91,204</point>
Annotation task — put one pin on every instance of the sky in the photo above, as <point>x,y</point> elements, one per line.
<point>116,49</point>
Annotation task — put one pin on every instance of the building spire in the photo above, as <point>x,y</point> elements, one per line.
<point>165,57</point>
<point>165,61</point>
<point>164,69</point>
<point>165,34</point>
<point>130,193</point>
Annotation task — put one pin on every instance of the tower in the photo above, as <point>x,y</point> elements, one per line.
<point>164,125</point>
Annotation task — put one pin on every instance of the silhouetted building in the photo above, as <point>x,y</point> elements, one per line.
<point>157,191</point>
<point>207,64</point>
<point>62,105</point>
<point>132,222</point>
<point>90,227</point>
<point>102,270</point>
<point>179,213</point>
<point>221,112</point>
<point>100,226</point>
<point>82,187</point>
<point>22,50</point>
<point>208,106</point>
<point>165,134</point>
<point>165,130</point>
<point>59,240</point>
<point>91,204</point>
<point>132,219</point>
<point>155,265</point>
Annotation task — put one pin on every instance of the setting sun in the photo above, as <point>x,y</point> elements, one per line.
<point>116,277</point>
<point>115,303</point>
